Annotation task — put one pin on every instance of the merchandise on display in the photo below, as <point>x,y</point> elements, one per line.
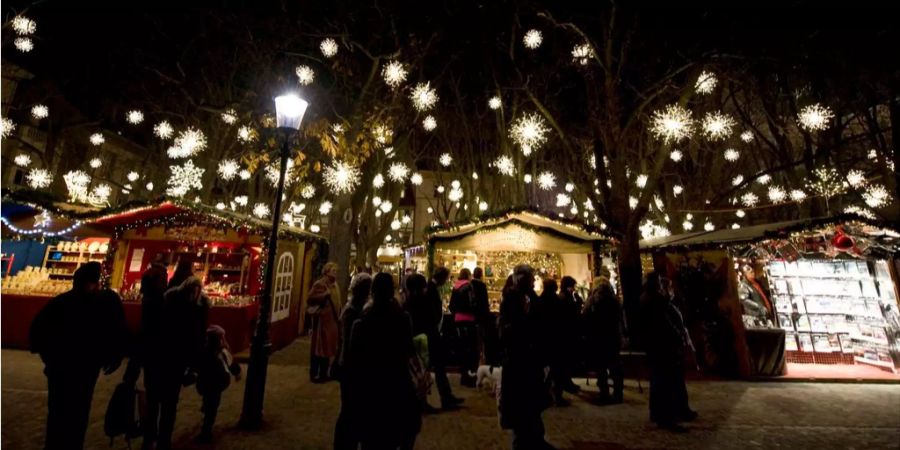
<point>35,281</point>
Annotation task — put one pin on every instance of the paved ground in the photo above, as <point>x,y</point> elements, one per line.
<point>301,415</point>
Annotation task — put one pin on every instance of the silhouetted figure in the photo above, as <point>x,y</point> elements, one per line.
<point>463,309</point>
<point>523,389</point>
<point>568,334</point>
<point>77,334</point>
<point>185,314</point>
<point>426,312</point>
<point>377,364</point>
<point>324,302</point>
<point>346,434</point>
<point>487,323</point>
<point>667,340</point>
<point>603,332</point>
<point>183,270</point>
<point>548,311</point>
<point>215,368</point>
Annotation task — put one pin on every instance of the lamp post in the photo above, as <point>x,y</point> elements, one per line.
<point>289,113</point>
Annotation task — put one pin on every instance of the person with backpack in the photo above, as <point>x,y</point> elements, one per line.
<point>462,306</point>
<point>215,368</point>
<point>78,334</point>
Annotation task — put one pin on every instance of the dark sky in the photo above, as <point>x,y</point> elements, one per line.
<point>91,48</point>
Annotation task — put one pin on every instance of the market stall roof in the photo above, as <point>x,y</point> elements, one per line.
<point>884,232</point>
<point>17,205</point>
<point>520,230</point>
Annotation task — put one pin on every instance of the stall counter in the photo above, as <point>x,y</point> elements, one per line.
<point>20,310</point>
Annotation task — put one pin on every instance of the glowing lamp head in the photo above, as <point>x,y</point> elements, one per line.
<point>289,110</point>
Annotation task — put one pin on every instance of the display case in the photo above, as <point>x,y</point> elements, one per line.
<point>836,311</point>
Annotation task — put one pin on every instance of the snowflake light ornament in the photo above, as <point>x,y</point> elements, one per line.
<point>340,177</point>
<point>228,169</point>
<point>582,54</point>
<point>378,181</point>
<point>687,225</point>
<point>641,181</point>
<point>708,226</point>
<point>38,178</point>
<point>776,194</point>
<point>672,124</point>
<point>229,116</point>
<point>398,172</point>
<point>749,199</point>
<point>706,82</point>
<point>747,136</point>
<point>732,155</point>
<point>163,130</point>
<point>241,200</point>
<point>246,134</point>
<point>133,176</point>
<point>423,96</point>
<point>305,75</point>
<point>677,189</point>
<point>495,102</point>
<point>798,195</point>
<point>527,178</point>
<point>482,206</point>
<point>445,159</point>
<point>100,193</point>
<point>184,178</point>
<point>6,127</point>
<point>273,171</point>
<point>505,165</point>
<point>876,196</point>
<point>676,155</point>
<point>328,47</point>
<point>97,139</point>
<point>455,194</point>
<point>394,73</point>
<point>416,179</point>
<point>740,213</point>
<point>815,117</point>
<point>308,191</point>
<point>764,179</point>
<point>23,25</point>
<point>40,111</point>
<point>856,178</point>
<point>533,39</point>
<point>24,44</point>
<point>737,180</point>
<point>22,160</point>
<point>95,163</point>
<point>190,142</point>
<point>76,184</point>
<point>325,207</point>
<point>717,126</point>
<point>529,132</point>
<point>546,181</point>
<point>134,117</point>
<point>562,200</point>
<point>244,174</point>
<point>261,210</point>
<point>429,123</point>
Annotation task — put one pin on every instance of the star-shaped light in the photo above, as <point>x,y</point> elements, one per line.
<point>228,169</point>
<point>394,73</point>
<point>340,177</point>
<point>717,126</point>
<point>416,179</point>
<point>546,181</point>
<point>423,96</point>
<point>38,178</point>
<point>533,39</point>
<point>134,117</point>
<point>815,117</point>
<point>305,75</point>
<point>184,178</point>
<point>40,111</point>
<point>495,102</point>
<point>429,123</point>
<point>672,124</point>
<point>328,47</point>
<point>22,160</point>
<point>97,139</point>
<point>706,82</point>
<point>732,155</point>
<point>163,130</point>
<point>529,132</point>
<point>446,159</point>
<point>398,172</point>
<point>261,210</point>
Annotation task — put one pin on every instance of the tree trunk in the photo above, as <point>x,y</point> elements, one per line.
<point>629,257</point>
<point>340,232</point>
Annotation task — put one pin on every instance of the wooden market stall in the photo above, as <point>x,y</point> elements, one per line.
<point>554,247</point>
<point>226,251</point>
<point>804,298</point>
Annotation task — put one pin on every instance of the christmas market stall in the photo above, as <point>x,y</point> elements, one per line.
<point>226,250</point>
<point>813,298</point>
<point>497,243</point>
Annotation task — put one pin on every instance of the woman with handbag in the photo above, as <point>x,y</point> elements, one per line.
<point>324,302</point>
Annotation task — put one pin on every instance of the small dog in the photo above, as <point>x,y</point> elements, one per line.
<point>489,374</point>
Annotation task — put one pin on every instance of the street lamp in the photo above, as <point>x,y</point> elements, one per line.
<point>289,110</point>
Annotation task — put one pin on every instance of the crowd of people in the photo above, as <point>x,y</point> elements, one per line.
<point>380,345</point>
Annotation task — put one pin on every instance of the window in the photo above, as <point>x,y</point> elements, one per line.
<point>284,283</point>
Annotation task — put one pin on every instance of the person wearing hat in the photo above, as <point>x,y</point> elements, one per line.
<point>77,334</point>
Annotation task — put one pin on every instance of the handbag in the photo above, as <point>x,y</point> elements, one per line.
<point>420,377</point>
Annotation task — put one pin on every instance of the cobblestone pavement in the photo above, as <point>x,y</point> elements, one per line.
<point>300,415</point>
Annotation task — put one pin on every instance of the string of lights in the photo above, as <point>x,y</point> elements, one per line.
<point>41,231</point>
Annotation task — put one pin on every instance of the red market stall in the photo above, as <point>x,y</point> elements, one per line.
<point>226,251</point>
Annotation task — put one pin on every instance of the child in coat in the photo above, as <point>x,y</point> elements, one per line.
<point>214,372</point>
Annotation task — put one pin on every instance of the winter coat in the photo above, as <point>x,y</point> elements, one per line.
<point>462,302</point>
<point>482,301</point>
<point>667,337</point>
<point>603,322</point>
<point>382,397</point>
<point>80,331</point>
<point>214,371</point>
<point>426,312</point>
<point>523,390</point>
<point>325,330</point>
<point>184,324</point>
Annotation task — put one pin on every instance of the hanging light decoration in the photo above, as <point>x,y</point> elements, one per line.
<point>533,39</point>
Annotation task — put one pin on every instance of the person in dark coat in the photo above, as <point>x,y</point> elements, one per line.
<point>150,351</point>
<point>377,363</point>
<point>426,312</point>
<point>185,315</point>
<point>548,311</point>
<point>463,309</point>
<point>523,389</point>
<point>568,326</point>
<point>667,341</point>
<point>603,332</point>
<point>345,430</point>
<point>77,334</point>
<point>487,323</point>
<point>215,368</point>
<point>183,270</point>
